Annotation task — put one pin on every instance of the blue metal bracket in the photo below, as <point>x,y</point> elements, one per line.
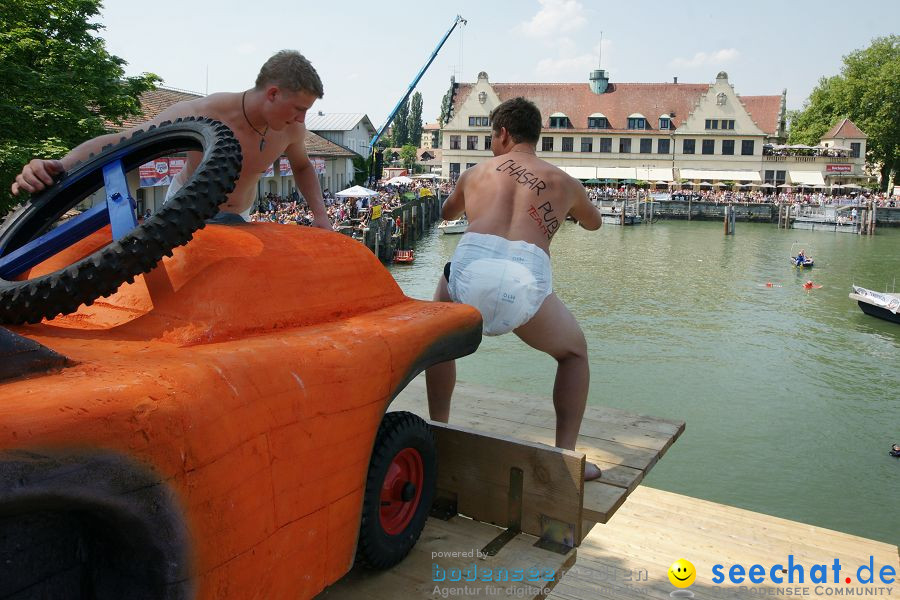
<point>40,249</point>
<point>118,200</point>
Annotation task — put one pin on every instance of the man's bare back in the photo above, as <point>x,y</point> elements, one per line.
<point>518,196</point>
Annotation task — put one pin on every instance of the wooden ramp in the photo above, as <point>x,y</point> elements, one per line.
<point>623,445</point>
<point>528,499</point>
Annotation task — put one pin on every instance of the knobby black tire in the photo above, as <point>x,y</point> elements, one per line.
<point>398,430</point>
<point>101,273</point>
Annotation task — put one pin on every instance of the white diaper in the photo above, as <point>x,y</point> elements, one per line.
<point>506,281</point>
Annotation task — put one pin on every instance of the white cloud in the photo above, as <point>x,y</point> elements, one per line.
<point>554,18</point>
<point>569,66</point>
<point>702,59</point>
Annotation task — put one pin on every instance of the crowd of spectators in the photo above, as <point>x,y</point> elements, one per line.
<point>343,212</point>
<point>747,196</point>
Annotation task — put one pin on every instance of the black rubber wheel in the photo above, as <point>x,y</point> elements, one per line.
<point>399,490</point>
<point>101,273</point>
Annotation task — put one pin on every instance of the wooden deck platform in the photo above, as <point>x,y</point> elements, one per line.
<point>628,556</point>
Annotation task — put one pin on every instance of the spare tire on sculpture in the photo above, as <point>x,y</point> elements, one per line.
<point>101,273</point>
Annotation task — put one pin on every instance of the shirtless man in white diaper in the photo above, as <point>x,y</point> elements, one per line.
<point>515,203</point>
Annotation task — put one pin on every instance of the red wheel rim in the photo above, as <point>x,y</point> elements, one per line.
<point>404,471</point>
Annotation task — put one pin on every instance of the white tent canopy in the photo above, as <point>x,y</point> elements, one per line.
<point>357,191</point>
<point>581,172</point>
<point>399,180</point>
<point>426,176</point>
<point>812,178</point>
<point>720,175</point>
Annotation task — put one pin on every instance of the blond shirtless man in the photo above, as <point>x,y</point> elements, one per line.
<point>266,119</point>
<point>515,203</point>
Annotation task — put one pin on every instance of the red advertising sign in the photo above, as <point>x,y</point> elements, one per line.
<point>838,168</point>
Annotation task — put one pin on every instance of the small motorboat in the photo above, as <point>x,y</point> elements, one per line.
<point>454,226</point>
<point>404,256</point>
<point>877,304</point>
<point>805,262</point>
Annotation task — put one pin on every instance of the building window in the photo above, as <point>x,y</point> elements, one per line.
<point>559,123</point>
<point>728,147</point>
<point>687,146</point>
<point>598,123</point>
<point>471,142</point>
<point>712,123</point>
<point>568,144</point>
<point>624,145</point>
<point>709,146</point>
<point>637,123</point>
<point>646,145</point>
<point>454,171</point>
<point>665,123</point>
<point>727,123</point>
<point>605,145</point>
<point>470,165</point>
<point>662,146</point>
<point>454,142</point>
<point>479,121</point>
<point>747,148</point>
<point>547,144</point>
<point>854,149</point>
<point>587,144</point>
<point>487,142</point>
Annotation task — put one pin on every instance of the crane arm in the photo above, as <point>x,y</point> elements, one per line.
<point>415,81</point>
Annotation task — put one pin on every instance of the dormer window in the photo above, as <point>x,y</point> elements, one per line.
<point>598,121</point>
<point>637,121</point>
<point>559,120</point>
<point>479,121</point>
<point>665,122</point>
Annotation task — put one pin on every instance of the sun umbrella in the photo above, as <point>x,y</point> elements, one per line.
<point>357,191</point>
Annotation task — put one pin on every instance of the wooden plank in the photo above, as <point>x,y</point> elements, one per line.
<point>476,468</point>
<point>449,551</point>
<point>414,395</point>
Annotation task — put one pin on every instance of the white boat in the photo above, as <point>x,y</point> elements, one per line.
<point>827,218</point>
<point>882,305</point>
<point>455,226</point>
<point>615,218</point>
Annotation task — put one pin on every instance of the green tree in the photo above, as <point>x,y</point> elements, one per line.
<point>414,122</point>
<point>446,103</point>
<point>408,156</point>
<point>867,91</point>
<point>400,127</point>
<point>59,83</point>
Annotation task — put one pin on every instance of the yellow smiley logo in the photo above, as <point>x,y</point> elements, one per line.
<point>682,573</point>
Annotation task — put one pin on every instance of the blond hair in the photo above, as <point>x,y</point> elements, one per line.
<point>290,70</point>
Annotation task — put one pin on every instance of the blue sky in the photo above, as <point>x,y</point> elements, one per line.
<point>367,53</point>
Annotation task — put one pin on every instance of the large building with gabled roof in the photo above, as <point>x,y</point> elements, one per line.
<point>656,132</point>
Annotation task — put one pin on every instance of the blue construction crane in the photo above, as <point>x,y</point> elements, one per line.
<point>415,81</point>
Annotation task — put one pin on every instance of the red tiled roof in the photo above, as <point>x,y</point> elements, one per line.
<point>155,101</point>
<point>765,111</point>
<point>845,129</point>
<point>578,102</point>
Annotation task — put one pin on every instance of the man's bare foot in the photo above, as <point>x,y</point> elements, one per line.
<point>591,471</point>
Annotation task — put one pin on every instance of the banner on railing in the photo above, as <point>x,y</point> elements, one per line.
<point>838,168</point>
<point>160,171</point>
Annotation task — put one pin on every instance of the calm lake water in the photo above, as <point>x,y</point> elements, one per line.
<point>791,397</point>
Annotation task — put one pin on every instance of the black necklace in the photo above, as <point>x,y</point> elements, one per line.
<point>262,134</point>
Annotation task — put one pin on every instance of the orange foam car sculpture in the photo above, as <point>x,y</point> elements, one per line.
<point>216,428</point>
